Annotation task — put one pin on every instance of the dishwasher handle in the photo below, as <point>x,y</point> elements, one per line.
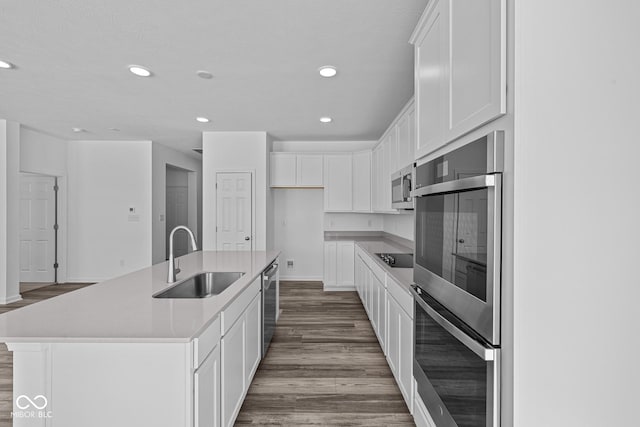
<point>270,271</point>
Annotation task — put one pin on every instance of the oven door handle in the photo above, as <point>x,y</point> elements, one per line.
<point>473,182</point>
<point>487,354</point>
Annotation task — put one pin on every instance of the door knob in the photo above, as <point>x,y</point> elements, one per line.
<point>247,238</point>
<point>461,241</point>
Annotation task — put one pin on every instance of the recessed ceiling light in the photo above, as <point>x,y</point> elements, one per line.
<point>6,65</point>
<point>202,119</point>
<point>204,74</point>
<point>78,130</point>
<point>114,129</point>
<point>328,71</point>
<point>326,119</point>
<point>139,71</point>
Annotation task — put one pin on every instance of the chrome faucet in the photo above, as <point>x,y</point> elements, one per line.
<point>171,277</point>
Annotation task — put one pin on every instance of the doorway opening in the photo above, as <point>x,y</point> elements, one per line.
<point>38,231</point>
<point>180,207</point>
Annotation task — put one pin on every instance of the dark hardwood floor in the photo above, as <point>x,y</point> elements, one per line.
<point>324,367</point>
<point>6,359</point>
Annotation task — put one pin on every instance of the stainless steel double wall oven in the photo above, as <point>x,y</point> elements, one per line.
<point>457,271</point>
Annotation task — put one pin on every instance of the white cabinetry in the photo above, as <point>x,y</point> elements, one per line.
<point>460,80</point>
<point>296,170</point>
<point>206,386</point>
<point>400,342</point>
<point>338,182</point>
<point>339,265</point>
<point>394,152</point>
<point>362,181</point>
<point>240,350</point>
<point>390,310</point>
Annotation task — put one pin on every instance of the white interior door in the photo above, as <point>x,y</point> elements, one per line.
<point>233,219</point>
<point>37,236</point>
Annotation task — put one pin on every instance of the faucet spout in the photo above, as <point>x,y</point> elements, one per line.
<point>171,276</point>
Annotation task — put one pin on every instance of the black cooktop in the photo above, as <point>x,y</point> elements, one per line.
<point>397,260</point>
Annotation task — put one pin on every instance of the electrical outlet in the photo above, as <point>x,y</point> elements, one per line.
<point>289,263</point>
<point>369,223</point>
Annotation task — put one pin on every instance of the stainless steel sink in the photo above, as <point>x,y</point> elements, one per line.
<point>202,285</point>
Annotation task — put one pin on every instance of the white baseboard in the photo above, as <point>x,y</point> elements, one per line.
<point>301,278</point>
<point>11,299</point>
<point>341,288</point>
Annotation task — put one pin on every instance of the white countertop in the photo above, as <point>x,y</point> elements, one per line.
<point>403,276</point>
<point>123,310</point>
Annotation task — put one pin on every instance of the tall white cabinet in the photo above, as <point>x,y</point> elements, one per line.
<point>460,74</point>
<point>339,265</point>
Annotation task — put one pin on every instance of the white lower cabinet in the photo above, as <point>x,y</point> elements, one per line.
<point>206,385</point>
<point>390,310</point>
<point>240,353</point>
<point>339,267</point>
<point>400,347</point>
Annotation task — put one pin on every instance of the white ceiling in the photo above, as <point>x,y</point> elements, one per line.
<point>71,60</point>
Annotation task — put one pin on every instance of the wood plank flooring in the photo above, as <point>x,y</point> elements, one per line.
<point>324,366</point>
<point>6,357</point>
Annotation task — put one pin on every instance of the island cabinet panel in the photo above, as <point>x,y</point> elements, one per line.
<point>206,386</point>
<point>253,339</point>
<point>105,384</point>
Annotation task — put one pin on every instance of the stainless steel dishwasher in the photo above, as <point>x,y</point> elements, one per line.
<point>269,304</point>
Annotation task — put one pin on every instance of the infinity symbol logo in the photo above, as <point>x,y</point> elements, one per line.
<point>30,402</point>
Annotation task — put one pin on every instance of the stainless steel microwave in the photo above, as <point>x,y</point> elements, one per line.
<point>401,186</point>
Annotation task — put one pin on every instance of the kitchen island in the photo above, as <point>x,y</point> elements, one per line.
<point>111,354</point>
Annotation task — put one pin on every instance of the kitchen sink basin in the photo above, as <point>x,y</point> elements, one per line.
<point>202,285</point>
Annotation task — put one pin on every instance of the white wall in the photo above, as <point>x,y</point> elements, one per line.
<point>42,154</point>
<point>401,225</point>
<point>106,178</point>
<point>163,156</point>
<point>235,151</point>
<point>577,207</point>
<point>9,211</point>
<point>352,221</point>
<point>299,232</point>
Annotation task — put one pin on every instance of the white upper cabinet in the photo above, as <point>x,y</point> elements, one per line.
<point>283,170</point>
<point>310,170</point>
<point>460,74</point>
<point>362,181</point>
<point>394,152</point>
<point>296,170</point>
<point>338,182</point>
<point>406,134</point>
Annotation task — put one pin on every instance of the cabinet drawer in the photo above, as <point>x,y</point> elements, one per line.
<point>237,307</point>
<point>404,298</point>
<point>205,342</point>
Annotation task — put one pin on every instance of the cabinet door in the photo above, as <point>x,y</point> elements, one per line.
<point>477,64</point>
<point>411,114</point>
<point>405,357</point>
<point>345,264</point>
<point>375,302</point>
<point>283,170</point>
<point>406,137</point>
<point>431,68</point>
<point>310,170</point>
<point>338,182</point>
<point>206,387</point>
<point>393,336</point>
<point>362,181</point>
<point>392,151</point>
<point>375,177</point>
<point>253,338</point>
<point>388,154</point>
<point>382,317</point>
<point>330,267</point>
<point>233,371</point>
